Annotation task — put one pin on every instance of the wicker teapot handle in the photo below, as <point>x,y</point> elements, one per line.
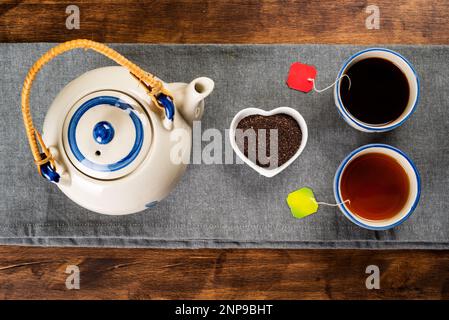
<point>41,154</point>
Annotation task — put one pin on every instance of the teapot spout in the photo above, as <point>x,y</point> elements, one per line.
<point>195,93</point>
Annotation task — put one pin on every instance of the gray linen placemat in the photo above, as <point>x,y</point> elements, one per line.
<point>228,205</point>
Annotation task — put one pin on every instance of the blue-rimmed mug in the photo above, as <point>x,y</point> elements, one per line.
<point>407,69</point>
<point>414,190</point>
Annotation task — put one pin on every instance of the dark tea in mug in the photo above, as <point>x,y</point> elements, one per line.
<point>376,185</point>
<point>378,92</point>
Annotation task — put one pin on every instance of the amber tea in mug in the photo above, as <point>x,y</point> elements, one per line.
<point>376,185</point>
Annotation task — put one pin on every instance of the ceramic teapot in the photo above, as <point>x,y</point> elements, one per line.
<point>109,136</point>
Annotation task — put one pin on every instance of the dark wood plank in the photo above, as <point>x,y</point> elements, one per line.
<point>227,21</point>
<point>33,273</point>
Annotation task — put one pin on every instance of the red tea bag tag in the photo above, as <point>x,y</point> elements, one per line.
<point>301,77</point>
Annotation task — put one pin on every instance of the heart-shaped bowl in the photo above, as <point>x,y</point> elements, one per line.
<point>255,111</point>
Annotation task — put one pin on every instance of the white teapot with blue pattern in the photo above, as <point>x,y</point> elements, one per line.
<point>116,140</point>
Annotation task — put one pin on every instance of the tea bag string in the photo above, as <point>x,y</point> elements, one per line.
<point>334,204</point>
<point>330,86</point>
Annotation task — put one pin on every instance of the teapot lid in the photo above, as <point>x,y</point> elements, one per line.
<point>107,134</point>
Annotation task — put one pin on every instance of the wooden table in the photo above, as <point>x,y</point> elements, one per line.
<point>244,274</point>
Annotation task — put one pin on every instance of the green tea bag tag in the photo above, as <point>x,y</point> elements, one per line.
<point>302,203</point>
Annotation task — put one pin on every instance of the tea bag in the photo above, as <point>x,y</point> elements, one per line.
<point>302,76</point>
<point>302,203</point>
<point>299,77</point>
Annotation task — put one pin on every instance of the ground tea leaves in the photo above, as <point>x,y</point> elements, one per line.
<point>289,138</point>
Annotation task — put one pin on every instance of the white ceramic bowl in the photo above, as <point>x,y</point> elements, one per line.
<point>413,176</point>
<point>267,172</point>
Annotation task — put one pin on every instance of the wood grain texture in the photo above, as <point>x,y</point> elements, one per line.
<point>227,21</point>
<point>33,273</point>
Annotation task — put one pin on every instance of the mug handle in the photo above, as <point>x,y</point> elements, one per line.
<point>43,158</point>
